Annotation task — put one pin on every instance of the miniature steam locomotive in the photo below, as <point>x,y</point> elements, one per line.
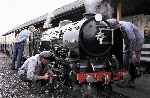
<point>90,50</point>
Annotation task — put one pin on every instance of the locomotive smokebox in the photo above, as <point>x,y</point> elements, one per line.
<point>95,38</point>
<point>88,37</point>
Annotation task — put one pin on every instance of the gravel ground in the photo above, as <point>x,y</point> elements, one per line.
<point>12,87</point>
<point>10,84</point>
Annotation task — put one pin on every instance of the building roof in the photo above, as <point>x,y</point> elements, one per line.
<point>27,24</point>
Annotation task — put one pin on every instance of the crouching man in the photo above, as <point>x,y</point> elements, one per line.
<point>35,69</point>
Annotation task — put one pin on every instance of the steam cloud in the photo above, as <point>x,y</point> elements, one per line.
<point>99,6</point>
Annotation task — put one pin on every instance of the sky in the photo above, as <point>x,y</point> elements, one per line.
<point>17,12</point>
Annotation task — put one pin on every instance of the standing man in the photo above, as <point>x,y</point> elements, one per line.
<point>19,48</point>
<point>133,40</point>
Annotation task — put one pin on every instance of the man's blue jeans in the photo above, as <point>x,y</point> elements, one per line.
<point>18,54</point>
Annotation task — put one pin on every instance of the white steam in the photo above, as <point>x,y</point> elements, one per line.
<point>99,6</point>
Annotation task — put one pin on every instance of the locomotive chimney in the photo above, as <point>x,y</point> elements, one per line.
<point>89,15</point>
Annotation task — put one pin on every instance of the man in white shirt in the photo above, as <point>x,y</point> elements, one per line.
<point>35,69</point>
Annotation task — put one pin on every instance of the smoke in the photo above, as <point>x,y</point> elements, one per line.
<point>99,6</point>
<point>90,5</point>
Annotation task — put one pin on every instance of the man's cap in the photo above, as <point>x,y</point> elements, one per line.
<point>48,55</point>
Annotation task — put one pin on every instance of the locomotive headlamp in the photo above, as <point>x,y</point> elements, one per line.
<point>98,17</point>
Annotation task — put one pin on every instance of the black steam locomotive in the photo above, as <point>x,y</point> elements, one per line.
<point>89,53</point>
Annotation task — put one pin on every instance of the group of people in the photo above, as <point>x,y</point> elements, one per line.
<point>33,69</point>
